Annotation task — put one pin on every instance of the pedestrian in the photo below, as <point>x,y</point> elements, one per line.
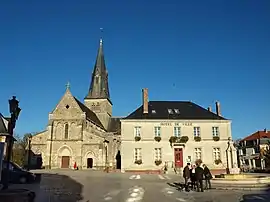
<point>75,166</point>
<point>199,177</point>
<point>186,175</point>
<point>208,177</point>
<point>193,177</point>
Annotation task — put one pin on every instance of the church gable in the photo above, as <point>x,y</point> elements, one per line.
<point>67,108</point>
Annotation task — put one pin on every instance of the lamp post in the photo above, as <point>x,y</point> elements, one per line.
<point>29,152</point>
<point>14,110</point>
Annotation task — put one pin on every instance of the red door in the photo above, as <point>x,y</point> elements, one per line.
<point>178,157</point>
<point>65,162</point>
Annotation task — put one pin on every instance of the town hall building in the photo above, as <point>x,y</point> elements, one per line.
<point>78,132</point>
<point>171,134</point>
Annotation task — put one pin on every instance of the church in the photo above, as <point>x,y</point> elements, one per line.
<point>78,132</point>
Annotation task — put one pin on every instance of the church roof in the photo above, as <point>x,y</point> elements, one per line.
<point>90,114</point>
<point>184,110</point>
<point>114,125</point>
<point>99,87</point>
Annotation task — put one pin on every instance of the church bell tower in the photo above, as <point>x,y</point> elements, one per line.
<point>98,96</point>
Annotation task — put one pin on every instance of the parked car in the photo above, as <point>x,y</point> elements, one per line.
<point>17,174</point>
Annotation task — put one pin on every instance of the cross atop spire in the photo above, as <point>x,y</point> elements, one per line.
<point>101,33</point>
<point>68,86</point>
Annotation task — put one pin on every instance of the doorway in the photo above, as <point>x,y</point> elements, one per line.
<point>178,157</point>
<point>65,162</point>
<point>89,162</point>
<point>118,160</point>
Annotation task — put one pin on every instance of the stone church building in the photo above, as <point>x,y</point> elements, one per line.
<point>85,133</point>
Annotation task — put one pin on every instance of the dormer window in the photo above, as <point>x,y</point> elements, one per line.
<point>176,111</point>
<point>170,111</point>
<point>154,111</point>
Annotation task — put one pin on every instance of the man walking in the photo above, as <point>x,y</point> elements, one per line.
<point>208,176</point>
<point>199,177</point>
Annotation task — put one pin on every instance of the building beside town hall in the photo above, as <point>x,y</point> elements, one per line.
<point>251,150</point>
<point>81,132</point>
<point>173,133</point>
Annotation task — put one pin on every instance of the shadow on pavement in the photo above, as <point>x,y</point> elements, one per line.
<point>262,196</point>
<point>55,188</point>
<point>61,188</point>
<point>177,186</point>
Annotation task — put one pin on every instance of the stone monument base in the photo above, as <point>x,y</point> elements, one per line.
<point>235,171</point>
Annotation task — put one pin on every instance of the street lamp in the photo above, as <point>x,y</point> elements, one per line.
<point>14,110</point>
<point>29,152</point>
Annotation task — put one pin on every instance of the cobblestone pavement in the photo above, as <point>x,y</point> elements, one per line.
<point>95,186</point>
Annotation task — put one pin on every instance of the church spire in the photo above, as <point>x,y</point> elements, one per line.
<point>99,87</point>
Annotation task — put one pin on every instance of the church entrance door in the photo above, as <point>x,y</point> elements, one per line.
<point>65,162</point>
<point>89,163</point>
<point>118,160</point>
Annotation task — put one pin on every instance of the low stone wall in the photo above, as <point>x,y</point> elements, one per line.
<point>144,171</point>
<point>264,180</point>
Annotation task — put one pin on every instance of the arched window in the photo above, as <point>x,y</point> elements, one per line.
<point>66,131</point>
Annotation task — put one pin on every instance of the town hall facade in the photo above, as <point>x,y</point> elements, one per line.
<point>82,133</point>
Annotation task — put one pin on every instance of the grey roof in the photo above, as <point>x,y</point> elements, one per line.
<point>90,114</point>
<point>114,125</point>
<point>184,110</point>
<point>3,127</point>
<point>99,87</point>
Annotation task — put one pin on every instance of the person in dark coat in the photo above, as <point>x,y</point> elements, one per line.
<point>199,177</point>
<point>186,174</point>
<point>193,177</point>
<point>208,176</point>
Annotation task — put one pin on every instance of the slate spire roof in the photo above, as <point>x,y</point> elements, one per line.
<point>99,87</point>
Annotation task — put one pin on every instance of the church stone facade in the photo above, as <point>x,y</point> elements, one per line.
<point>85,133</point>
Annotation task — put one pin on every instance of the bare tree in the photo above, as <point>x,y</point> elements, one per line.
<point>20,147</point>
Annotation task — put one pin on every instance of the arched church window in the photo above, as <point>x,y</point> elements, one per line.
<point>66,131</point>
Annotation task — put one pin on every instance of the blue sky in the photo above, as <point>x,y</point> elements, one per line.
<point>201,51</point>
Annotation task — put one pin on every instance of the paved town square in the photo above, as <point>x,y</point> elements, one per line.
<point>95,186</point>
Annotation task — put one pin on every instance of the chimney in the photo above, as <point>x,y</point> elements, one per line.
<point>209,109</point>
<point>218,108</point>
<point>145,100</point>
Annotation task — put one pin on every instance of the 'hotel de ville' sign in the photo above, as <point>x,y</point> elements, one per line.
<point>176,124</point>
